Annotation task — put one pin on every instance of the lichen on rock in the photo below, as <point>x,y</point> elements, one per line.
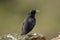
<point>13,36</point>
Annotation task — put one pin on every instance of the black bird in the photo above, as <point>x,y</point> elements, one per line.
<point>29,23</point>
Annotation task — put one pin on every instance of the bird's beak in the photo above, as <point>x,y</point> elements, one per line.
<point>37,10</point>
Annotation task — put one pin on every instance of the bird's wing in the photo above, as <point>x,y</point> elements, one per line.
<point>28,25</point>
<point>31,23</point>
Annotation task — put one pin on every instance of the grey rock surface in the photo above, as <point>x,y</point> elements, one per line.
<point>14,36</point>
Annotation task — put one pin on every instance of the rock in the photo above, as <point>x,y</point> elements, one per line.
<point>38,38</point>
<point>35,36</point>
<point>32,36</point>
<point>56,38</point>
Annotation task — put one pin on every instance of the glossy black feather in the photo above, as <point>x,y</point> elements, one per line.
<point>29,23</point>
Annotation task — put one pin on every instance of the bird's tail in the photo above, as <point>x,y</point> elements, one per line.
<point>22,34</point>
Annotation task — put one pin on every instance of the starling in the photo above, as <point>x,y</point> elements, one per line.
<point>29,23</point>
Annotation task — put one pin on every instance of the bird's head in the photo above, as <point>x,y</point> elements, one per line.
<point>33,12</point>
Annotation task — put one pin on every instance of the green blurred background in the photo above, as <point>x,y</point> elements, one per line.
<point>13,12</point>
